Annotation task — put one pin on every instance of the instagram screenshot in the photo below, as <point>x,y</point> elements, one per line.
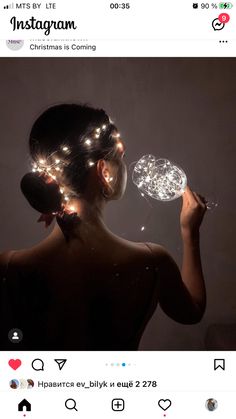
<point>117,244</point>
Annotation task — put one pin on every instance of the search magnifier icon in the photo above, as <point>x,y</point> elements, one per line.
<point>71,404</point>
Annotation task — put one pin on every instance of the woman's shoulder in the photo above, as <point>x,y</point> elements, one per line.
<point>147,249</point>
<point>13,257</point>
<point>4,260</point>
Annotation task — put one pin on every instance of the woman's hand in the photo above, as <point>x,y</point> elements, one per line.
<point>192,213</point>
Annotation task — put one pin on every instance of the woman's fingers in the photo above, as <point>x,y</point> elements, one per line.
<point>189,196</point>
<point>200,199</point>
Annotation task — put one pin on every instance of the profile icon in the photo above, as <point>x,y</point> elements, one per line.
<point>15,335</point>
<point>14,384</point>
<point>211,405</point>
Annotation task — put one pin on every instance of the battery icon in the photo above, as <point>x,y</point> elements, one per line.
<point>225,5</point>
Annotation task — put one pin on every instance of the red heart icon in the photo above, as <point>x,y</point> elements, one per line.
<point>14,363</point>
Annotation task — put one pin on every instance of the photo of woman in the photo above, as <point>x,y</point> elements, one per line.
<point>80,284</point>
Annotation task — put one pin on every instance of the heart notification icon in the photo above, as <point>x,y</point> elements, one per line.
<point>164,404</point>
<point>14,363</point>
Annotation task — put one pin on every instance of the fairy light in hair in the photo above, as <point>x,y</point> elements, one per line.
<point>52,166</point>
<point>120,146</point>
<point>88,141</point>
<point>91,163</point>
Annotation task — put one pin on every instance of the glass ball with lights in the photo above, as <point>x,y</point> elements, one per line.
<point>160,179</point>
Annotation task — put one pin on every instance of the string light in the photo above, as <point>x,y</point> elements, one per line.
<point>53,165</point>
<point>159,178</point>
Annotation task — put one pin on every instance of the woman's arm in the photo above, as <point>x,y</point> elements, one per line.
<point>182,295</point>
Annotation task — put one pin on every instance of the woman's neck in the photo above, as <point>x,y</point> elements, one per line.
<point>90,214</point>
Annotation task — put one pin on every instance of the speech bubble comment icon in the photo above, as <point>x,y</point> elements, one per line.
<point>38,364</point>
<point>217,25</point>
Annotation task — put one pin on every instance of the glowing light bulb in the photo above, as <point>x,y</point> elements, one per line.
<point>33,170</point>
<point>41,161</point>
<point>142,228</point>
<point>88,141</point>
<point>65,148</point>
<point>97,135</point>
<point>58,169</point>
<point>57,161</point>
<point>91,163</point>
<point>61,190</point>
<point>159,178</point>
<point>66,198</point>
<point>104,127</point>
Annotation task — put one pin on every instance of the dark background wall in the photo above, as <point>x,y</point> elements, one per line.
<point>183,109</point>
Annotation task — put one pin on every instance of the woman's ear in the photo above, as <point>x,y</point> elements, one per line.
<point>104,171</point>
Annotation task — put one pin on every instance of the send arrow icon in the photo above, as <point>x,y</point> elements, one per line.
<point>60,363</point>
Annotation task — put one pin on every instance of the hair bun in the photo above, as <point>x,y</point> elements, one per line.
<point>43,197</point>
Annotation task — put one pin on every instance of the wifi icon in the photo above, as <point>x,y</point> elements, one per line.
<point>9,6</point>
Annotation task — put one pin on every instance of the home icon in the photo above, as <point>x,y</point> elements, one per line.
<point>24,405</point>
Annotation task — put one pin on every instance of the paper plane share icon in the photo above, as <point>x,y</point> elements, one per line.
<point>60,363</point>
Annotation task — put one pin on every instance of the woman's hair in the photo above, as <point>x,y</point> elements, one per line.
<point>68,138</point>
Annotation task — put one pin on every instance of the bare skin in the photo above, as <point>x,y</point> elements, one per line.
<point>97,291</point>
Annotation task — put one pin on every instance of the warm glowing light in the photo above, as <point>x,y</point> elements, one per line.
<point>104,127</point>
<point>142,228</point>
<point>97,135</point>
<point>57,161</point>
<point>65,148</point>
<point>91,163</point>
<point>41,161</point>
<point>88,141</point>
<point>120,146</point>
<point>61,190</point>
<point>159,178</point>
<point>66,198</point>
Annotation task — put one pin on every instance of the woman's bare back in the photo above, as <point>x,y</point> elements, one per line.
<point>98,296</point>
